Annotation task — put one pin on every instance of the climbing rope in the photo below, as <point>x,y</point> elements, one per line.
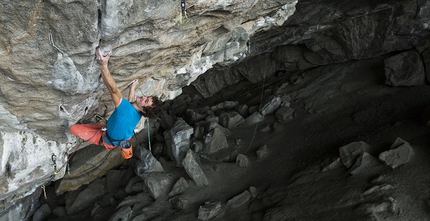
<point>261,101</point>
<point>149,137</point>
<point>54,163</point>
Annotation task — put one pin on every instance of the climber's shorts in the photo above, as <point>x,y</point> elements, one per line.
<point>94,134</point>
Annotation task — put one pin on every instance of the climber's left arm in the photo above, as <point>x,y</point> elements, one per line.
<point>131,94</point>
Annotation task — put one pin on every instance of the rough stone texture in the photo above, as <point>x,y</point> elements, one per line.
<point>239,200</point>
<point>178,140</point>
<point>350,152</point>
<point>180,186</point>
<point>262,152</point>
<point>147,163</point>
<point>270,105</point>
<point>254,118</point>
<point>93,161</point>
<point>209,210</point>
<point>405,69</point>
<point>214,141</point>
<point>231,119</point>
<point>158,184</point>
<point>399,154</point>
<point>193,169</point>
<point>86,197</point>
<point>242,160</point>
<point>47,57</point>
<point>284,114</point>
<point>364,162</point>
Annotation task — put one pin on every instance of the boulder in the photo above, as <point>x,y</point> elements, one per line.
<point>209,210</point>
<point>158,184</point>
<point>178,140</point>
<point>193,169</point>
<point>405,69</point>
<point>350,152</point>
<point>400,153</point>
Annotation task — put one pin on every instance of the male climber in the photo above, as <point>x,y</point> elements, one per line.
<point>120,125</point>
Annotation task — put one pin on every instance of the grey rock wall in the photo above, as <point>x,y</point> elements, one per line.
<point>50,80</point>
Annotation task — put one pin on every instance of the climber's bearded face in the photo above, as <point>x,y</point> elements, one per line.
<point>144,101</point>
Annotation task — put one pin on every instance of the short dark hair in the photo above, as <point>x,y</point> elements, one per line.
<point>154,110</point>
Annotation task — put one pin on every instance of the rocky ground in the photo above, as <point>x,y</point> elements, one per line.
<point>324,161</point>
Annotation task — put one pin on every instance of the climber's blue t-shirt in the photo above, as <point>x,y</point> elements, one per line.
<point>122,122</point>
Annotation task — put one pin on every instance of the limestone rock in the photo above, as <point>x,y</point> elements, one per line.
<point>364,163</point>
<point>242,109</point>
<point>193,169</point>
<point>132,182</point>
<point>254,118</point>
<point>123,213</point>
<point>332,165</point>
<point>42,213</point>
<point>158,184</point>
<point>47,57</point>
<point>215,80</point>
<point>270,105</point>
<point>116,179</point>
<point>400,153</point>
<point>350,152</point>
<point>405,69</point>
<point>209,210</point>
<point>94,161</point>
<point>147,163</point>
<point>193,116</point>
<point>242,160</point>
<point>262,152</point>
<point>181,202</point>
<point>178,140</point>
<point>86,197</point>
<point>141,198</point>
<point>231,119</point>
<point>284,114</point>
<point>226,105</point>
<point>214,141</point>
<point>239,200</point>
<point>180,186</point>
<point>212,125</point>
<point>212,118</point>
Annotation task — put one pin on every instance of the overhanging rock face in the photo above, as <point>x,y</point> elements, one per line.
<point>51,80</point>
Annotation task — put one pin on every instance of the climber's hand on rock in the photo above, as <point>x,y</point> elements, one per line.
<point>134,84</point>
<point>102,60</point>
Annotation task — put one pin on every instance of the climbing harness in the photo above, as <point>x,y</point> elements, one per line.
<point>183,14</point>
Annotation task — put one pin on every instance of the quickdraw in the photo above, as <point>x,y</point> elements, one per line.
<point>183,14</point>
<point>54,164</point>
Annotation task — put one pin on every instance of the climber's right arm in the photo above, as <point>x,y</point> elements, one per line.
<point>107,77</point>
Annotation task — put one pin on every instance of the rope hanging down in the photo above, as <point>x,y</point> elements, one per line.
<point>54,163</point>
<point>149,137</point>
